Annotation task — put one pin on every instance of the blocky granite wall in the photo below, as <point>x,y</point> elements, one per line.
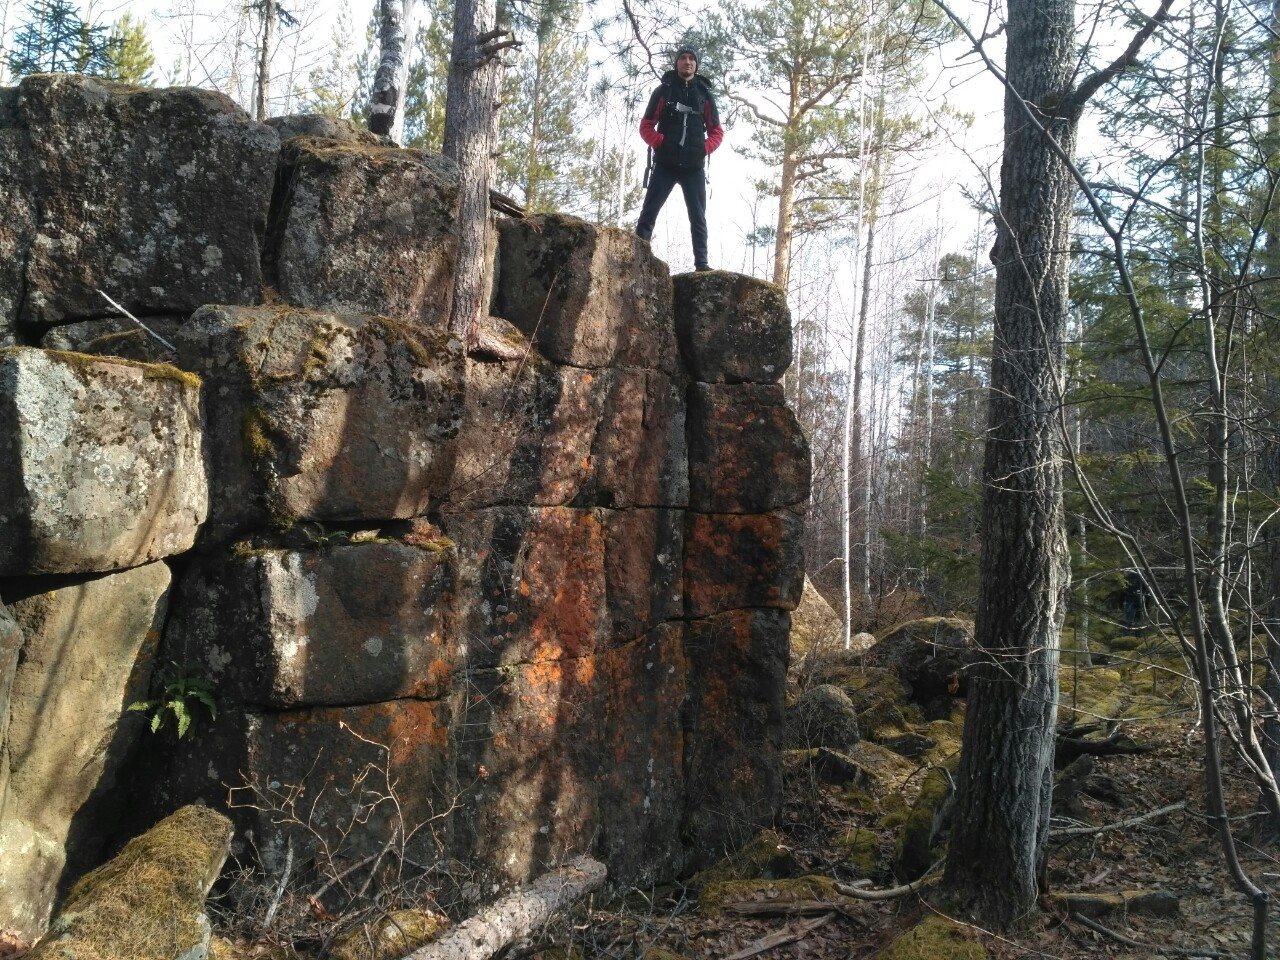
<point>545,600</point>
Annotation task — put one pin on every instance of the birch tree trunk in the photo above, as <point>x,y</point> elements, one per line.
<point>1004,788</point>
<point>469,137</point>
<point>395,26</point>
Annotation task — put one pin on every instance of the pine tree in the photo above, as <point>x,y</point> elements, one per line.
<point>54,39</point>
<point>333,87</point>
<point>130,58</point>
<point>541,154</point>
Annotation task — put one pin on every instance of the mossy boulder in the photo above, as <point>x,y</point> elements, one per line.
<point>148,902</point>
<point>935,938</point>
<point>822,716</point>
<point>716,896</point>
<point>860,849</point>
<point>914,853</point>
<point>930,656</point>
<point>766,857</point>
<point>815,629</point>
<point>390,937</point>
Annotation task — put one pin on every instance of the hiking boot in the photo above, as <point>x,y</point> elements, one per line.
<point>701,267</point>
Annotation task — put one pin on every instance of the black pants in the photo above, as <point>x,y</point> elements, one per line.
<point>693,183</point>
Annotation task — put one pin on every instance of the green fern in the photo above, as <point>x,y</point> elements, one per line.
<point>181,689</point>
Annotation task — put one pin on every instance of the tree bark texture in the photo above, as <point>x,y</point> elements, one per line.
<point>997,849</point>
<point>386,115</point>
<point>470,110</point>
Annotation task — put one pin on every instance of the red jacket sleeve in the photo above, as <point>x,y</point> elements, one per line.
<point>649,122</point>
<point>715,132</point>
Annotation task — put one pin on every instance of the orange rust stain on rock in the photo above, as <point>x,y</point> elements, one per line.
<point>410,726</point>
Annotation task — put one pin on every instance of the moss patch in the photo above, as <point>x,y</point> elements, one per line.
<point>715,896</point>
<point>861,849</point>
<point>147,903</point>
<point>935,938</point>
<point>391,937</point>
<point>767,855</point>
<point>914,852</point>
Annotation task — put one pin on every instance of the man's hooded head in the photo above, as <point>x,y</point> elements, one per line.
<point>686,63</point>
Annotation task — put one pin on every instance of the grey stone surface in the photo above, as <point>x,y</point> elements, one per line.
<point>321,416</point>
<point>733,725</point>
<point>100,462</point>
<point>345,762</point>
<point>340,625</point>
<point>822,716</point>
<point>747,453</point>
<point>323,126</point>
<point>156,196</point>
<point>732,328</point>
<point>364,228</point>
<point>89,649</point>
<point>536,433</point>
<point>586,295</point>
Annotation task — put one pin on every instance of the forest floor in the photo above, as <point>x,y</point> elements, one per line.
<point>833,831</point>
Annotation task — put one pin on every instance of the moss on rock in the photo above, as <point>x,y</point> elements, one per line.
<point>914,852</point>
<point>148,902</point>
<point>765,857</point>
<point>935,938</point>
<point>861,849</point>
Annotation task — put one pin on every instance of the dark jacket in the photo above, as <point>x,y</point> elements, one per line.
<point>681,122</point>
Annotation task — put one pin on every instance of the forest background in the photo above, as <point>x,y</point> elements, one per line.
<point>859,173</point>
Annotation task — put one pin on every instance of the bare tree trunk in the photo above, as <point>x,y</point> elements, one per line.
<point>264,59</point>
<point>469,137</point>
<point>786,219</point>
<point>395,26</point>
<point>859,414</point>
<point>1001,819</point>
<point>535,126</point>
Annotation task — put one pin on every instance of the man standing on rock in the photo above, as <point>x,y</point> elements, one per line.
<point>682,127</point>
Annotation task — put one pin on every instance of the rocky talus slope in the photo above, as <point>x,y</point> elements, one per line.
<point>544,602</point>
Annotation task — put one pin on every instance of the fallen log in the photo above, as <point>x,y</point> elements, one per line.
<point>515,915</point>
<point>784,936</point>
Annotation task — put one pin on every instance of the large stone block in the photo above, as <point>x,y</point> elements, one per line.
<point>364,228</point>
<point>10,644</point>
<point>531,584</point>
<point>644,558</point>
<point>536,433</point>
<point>733,771</point>
<point>321,416</point>
<point>747,453</point>
<point>732,328</point>
<point>158,197</point>
<point>527,434</point>
<point>340,625</point>
<point>572,755</point>
<point>586,295</point>
<point>734,561</point>
<point>341,781</point>
<point>148,902</point>
<point>100,462</point>
<point>639,457</point>
<point>17,214</point>
<point>89,651</point>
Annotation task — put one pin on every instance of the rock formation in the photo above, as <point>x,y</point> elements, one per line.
<point>544,601</point>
